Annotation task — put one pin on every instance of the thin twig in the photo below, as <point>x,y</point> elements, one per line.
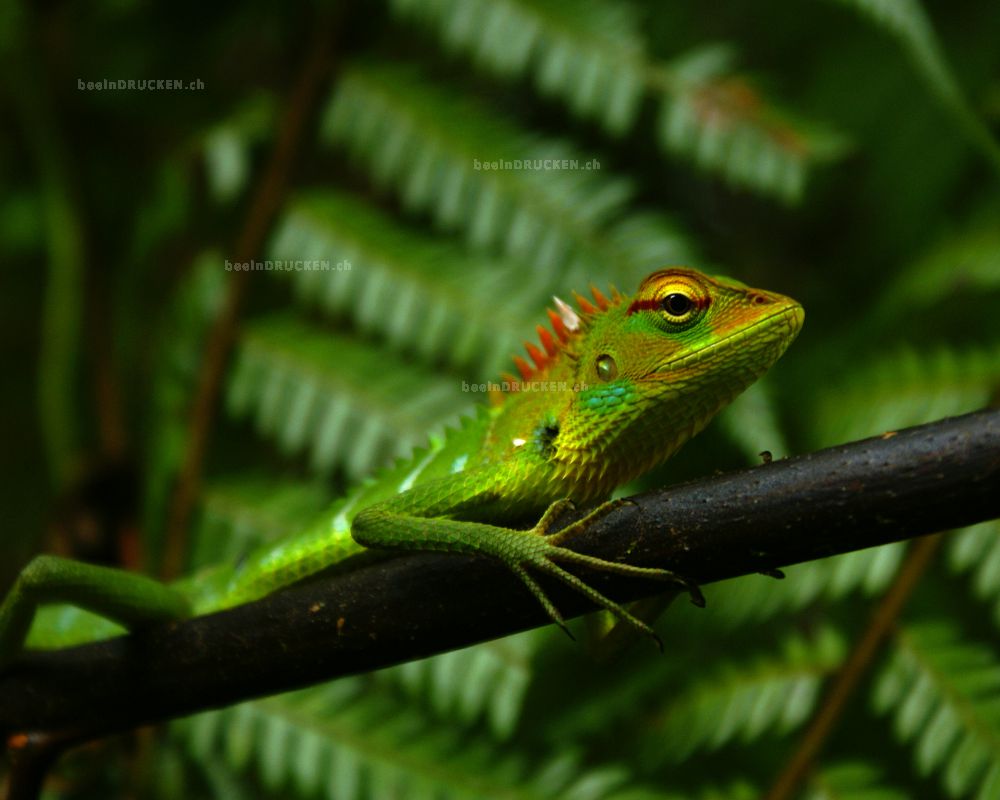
<point>846,681</point>
<point>266,203</point>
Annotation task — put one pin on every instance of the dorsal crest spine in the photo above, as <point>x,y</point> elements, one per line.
<point>566,323</point>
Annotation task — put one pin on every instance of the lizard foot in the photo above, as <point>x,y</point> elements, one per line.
<point>523,552</point>
<point>570,531</point>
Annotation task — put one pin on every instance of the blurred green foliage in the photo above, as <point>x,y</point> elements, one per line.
<point>844,153</point>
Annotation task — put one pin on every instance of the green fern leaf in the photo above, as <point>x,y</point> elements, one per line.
<point>853,780</point>
<point>474,171</point>
<point>976,549</point>
<point>349,742</point>
<point>966,262</point>
<point>425,295</point>
<point>422,294</point>
<point>944,695</point>
<point>743,700</point>
<point>588,53</point>
<point>240,512</point>
<point>905,387</point>
<point>720,121</point>
<point>753,598</point>
<point>591,55</point>
<point>335,396</point>
<point>488,680</point>
<point>640,243</point>
<point>907,21</point>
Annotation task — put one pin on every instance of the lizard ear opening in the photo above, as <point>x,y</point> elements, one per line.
<point>607,369</point>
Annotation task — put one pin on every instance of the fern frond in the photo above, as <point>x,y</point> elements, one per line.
<point>427,296</point>
<point>240,512</point>
<point>965,262</point>
<point>976,549</point>
<point>641,242</point>
<point>907,21</point>
<point>743,700</point>
<point>905,387</point>
<point>442,152</point>
<point>591,55</point>
<point>225,782</point>
<point>486,681</point>
<point>588,53</point>
<point>722,123</point>
<point>754,598</point>
<point>424,295</point>
<point>943,693</point>
<point>735,790</point>
<point>348,403</point>
<point>346,743</point>
<point>853,780</point>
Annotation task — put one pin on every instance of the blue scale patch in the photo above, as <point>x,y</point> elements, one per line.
<point>607,397</point>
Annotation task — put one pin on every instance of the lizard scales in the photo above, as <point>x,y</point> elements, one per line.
<point>616,387</point>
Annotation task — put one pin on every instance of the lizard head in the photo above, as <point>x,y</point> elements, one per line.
<point>654,368</point>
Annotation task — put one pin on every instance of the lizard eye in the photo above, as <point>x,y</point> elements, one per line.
<point>677,305</point>
<point>607,369</point>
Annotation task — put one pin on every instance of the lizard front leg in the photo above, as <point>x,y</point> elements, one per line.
<point>523,552</point>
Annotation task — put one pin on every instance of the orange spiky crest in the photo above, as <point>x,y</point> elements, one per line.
<point>600,299</point>
<point>523,367</point>
<point>585,305</point>
<point>547,341</point>
<point>566,323</point>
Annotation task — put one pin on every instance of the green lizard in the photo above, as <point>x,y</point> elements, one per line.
<point>614,389</point>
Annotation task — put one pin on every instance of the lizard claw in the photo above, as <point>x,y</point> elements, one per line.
<point>687,585</point>
<point>693,590</point>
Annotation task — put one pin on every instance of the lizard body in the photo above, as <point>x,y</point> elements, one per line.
<point>614,389</point>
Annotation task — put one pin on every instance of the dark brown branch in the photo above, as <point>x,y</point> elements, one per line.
<point>881,490</point>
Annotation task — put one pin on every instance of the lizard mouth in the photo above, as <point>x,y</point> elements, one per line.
<point>792,316</point>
